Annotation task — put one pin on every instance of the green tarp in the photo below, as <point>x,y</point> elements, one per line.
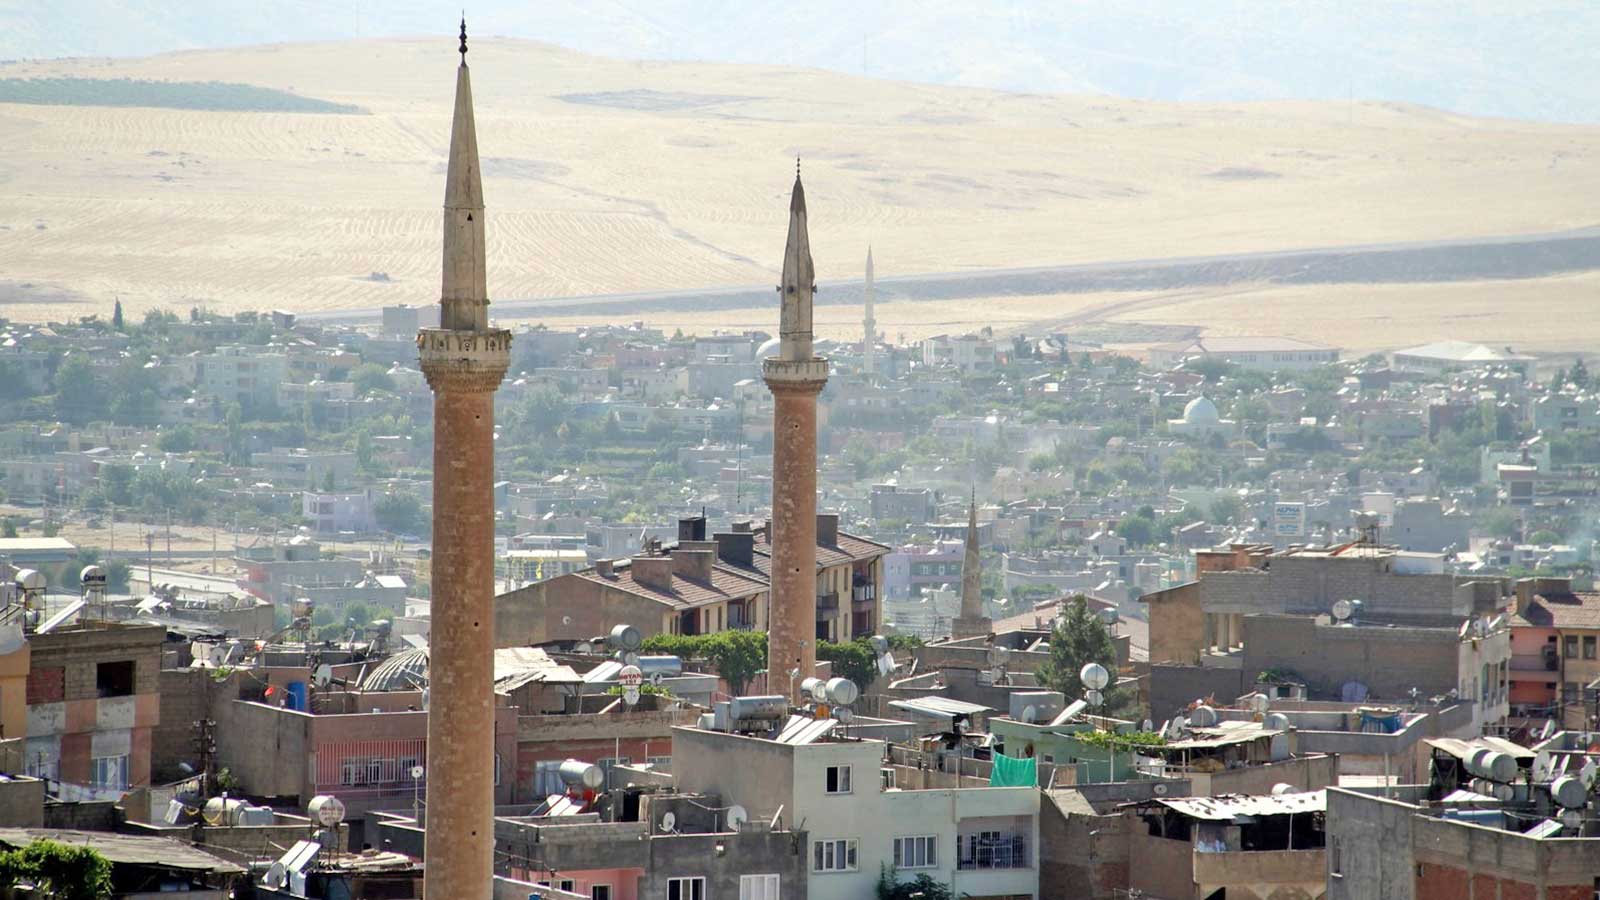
<point>1011,772</point>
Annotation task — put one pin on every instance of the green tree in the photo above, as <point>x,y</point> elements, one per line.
<point>117,482</point>
<point>400,512</point>
<point>234,422</point>
<point>1139,530</point>
<point>78,396</point>
<point>1079,638</point>
<point>117,577</point>
<point>1225,509</point>
<point>736,655</point>
<point>370,378</point>
<point>327,481</point>
<point>923,887</point>
<point>1579,376</point>
<point>358,614</point>
<point>854,660</point>
<point>116,317</point>
<point>57,871</point>
<point>8,528</point>
<point>179,439</point>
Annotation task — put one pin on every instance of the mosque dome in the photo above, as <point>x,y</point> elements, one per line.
<point>768,349</point>
<point>404,671</point>
<point>1201,411</point>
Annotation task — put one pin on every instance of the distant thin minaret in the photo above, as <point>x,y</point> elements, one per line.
<point>869,325</point>
<point>971,622</point>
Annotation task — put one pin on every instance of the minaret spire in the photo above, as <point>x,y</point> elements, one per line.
<point>464,294</point>
<point>799,280</point>
<point>971,622</point>
<point>869,325</point>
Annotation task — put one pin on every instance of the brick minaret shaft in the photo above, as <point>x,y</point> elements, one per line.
<point>795,376</point>
<point>464,361</point>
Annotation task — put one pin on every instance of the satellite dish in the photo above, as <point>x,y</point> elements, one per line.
<point>1543,766</point>
<point>1203,717</point>
<point>1342,610</point>
<point>1276,721</point>
<point>656,678</point>
<point>1159,790</point>
<point>1587,774</point>
<point>668,820</point>
<point>416,773</point>
<point>1030,714</point>
<point>1279,789</point>
<point>844,715</point>
<point>1146,725</point>
<point>277,875</point>
<point>1094,676</point>
<point>999,656</point>
<point>323,676</point>
<point>737,816</point>
<point>1095,698</point>
<point>1258,702</point>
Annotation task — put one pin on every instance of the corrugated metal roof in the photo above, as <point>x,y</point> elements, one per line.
<point>126,849</point>
<point>1223,735</point>
<point>1229,807</point>
<point>940,706</point>
<point>1462,749</point>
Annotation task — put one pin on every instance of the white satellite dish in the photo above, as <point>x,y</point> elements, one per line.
<point>668,820</point>
<point>844,715</point>
<point>1572,818</point>
<point>1342,610</point>
<point>1030,714</point>
<point>1587,774</point>
<point>1543,766</point>
<point>323,676</point>
<point>1094,676</point>
<point>656,678</point>
<point>1095,698</point>
<point>1146,725</point>
<point>1159,790</point>
<point>416,773</point>
<point>737,816</point>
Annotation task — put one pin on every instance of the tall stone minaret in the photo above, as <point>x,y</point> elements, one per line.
<point>464,361</point>
<point>972,622</point>
<point>869,325</point>
<point>795,376</point>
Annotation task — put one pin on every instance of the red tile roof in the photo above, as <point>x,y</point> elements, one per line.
<point>685,593</point>
<point>1576,611</point>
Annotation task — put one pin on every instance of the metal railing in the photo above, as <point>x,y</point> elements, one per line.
<point>992,850</point>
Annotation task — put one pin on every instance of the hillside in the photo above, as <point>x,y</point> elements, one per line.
<point>606,176</point>
<point>1481,57</point>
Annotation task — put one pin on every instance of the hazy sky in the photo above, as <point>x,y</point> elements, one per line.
<point>1531,59</point>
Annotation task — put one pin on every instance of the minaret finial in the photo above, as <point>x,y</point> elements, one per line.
<point>797,167</point>
<point>463,37</point>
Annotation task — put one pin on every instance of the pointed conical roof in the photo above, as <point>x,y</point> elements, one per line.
<point>799,281</point>
<point>971,568</point>
<point>464,294</point>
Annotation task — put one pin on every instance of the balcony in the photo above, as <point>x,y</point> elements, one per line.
<point>991,850</point>
<point>863,595</point>
<point>827,604</point>
<point>1537,663</point>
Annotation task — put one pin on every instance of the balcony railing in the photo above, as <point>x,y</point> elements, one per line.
<point>827,603</point>
<point>1531,662</point>
<point>992,850</point>
<point>863,594</point>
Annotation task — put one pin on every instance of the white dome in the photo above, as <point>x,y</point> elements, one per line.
<point>768,349</point>
<point>1201,411</point>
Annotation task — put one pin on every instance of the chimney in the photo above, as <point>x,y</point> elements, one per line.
<point>653,571</point>
<point>827,529</point>
<point>694,562</point>
<point>691,528</point>
<point>603,568</point>
<point>737,547</point>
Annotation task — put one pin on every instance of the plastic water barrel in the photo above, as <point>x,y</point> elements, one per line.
<point>298,699</point>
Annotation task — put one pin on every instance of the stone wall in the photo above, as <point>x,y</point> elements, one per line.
<point>1081,855</point>
<point>1369,847</point>
<point>1173,687</point>
<point>1177,624</point>
<point>1390,662</point>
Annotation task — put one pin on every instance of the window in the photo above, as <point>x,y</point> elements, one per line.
<point>109,772</point>
<point>758,887</point>
<point>600,892</point>
<point>561,884</point>
<point>686,888</point>
<point>354,772</point>
<point>1571,642</point>
<point>838,781</point>
<point>837,855</point>
<point>114,679</point>
<point>916,852</point>
<point>497,770</point>
<point>1569,692</point>
<point>1335,857</point>
<point>1588,647</point>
